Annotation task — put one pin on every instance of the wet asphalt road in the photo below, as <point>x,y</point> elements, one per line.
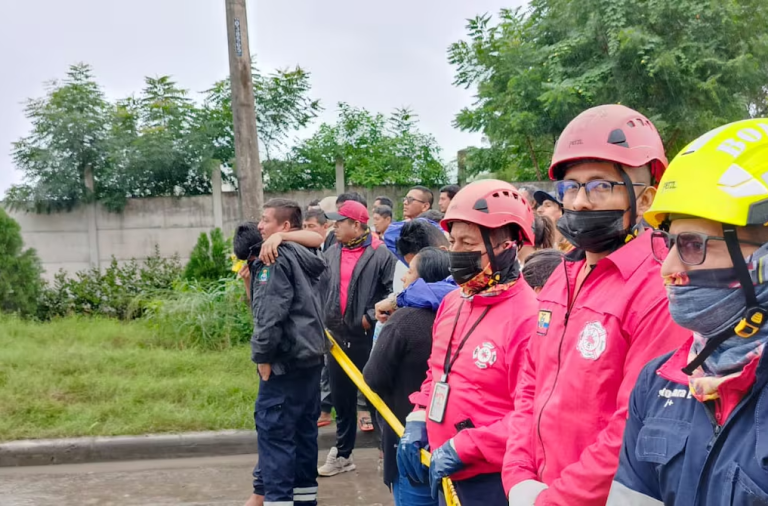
<point>212,481</point>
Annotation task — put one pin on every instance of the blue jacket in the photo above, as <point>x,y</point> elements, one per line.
<point>676,453</point>
<point>423,295</point>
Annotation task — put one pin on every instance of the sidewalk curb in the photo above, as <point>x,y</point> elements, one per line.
<point>43,452</point>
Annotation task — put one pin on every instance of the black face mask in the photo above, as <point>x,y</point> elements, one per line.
<point>594,231</point>
<point>465,265</point>
<point>507,265</point>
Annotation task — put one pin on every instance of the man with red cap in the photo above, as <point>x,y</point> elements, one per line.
<point>479,337</point>
<point>359,274</point>
<point>602,315</point>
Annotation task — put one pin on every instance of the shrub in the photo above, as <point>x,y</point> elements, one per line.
<point>209,260</point>
<point>20,270</point>
<point>210,316</point>
<point>119,292</point>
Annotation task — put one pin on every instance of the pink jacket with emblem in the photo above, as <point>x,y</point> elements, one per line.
<point>484,377</point>
<point>580,368</point>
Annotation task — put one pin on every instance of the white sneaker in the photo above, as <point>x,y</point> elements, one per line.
<point>336,465</point>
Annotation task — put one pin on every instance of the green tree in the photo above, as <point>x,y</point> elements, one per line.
<point>413,156</point>
<point>287,175</point>
<point>152,147</point>
<point>209,260</point>
<point>158,143</point>
<point>495,161</point>
<point>375,150</point>
<point>282,106</point>
<point>68,139</point>
<point>689,65</point>
<point>20,281</point>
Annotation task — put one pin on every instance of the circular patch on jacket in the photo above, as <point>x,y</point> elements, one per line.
<point>592,341</point>
<point>484,355</point>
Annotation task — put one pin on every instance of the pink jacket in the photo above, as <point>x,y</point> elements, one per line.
<point>580,367</point>
<point>484,376</point>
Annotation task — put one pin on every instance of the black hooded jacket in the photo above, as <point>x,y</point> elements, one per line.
<point>287,320</point>
<point>371,282</point>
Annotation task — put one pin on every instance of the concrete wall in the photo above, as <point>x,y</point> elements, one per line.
<point>75,241</point>
<point>90,236</point>
<point>61,240</point>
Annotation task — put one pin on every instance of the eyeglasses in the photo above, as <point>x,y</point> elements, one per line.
<point>598,190</point>
<point>691,246</point>
<point>410,200</point>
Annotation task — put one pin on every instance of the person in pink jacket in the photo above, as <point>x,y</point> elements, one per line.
<point>602,315</point>
<point>479,337</point>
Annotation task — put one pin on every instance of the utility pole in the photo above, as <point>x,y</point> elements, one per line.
<point>461,163</point>
<point>340,184</point>
<point>250,184</point>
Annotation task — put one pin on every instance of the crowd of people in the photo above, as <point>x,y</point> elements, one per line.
<point>598,344</point>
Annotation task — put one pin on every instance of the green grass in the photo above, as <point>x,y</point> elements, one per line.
<point>90,376</point>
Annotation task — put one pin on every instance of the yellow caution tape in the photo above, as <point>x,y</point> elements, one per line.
<point>451,498</point>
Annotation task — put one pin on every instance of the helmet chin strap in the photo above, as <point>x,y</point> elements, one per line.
<point>497,271</point>
<point>629,185</point>
<point>754,316</point>
<point>496,276</point>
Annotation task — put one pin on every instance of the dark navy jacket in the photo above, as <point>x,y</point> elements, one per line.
<point>287,316</point>
<point>676,453</point>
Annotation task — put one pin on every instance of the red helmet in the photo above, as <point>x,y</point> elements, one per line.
<point>613,133</point>
<point>491,203</point>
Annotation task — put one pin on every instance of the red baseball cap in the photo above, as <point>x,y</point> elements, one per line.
<point>350,210</point>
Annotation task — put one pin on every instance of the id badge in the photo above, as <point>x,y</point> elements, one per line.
<point>439,402</point>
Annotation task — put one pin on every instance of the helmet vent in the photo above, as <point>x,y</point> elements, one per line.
<point>618,138</point>
<point>482,205</point>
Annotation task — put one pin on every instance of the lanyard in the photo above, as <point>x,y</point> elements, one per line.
<point>448,364</point>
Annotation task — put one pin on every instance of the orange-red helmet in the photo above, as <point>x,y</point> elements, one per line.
<point>491,203</point>
<point>613,133</point>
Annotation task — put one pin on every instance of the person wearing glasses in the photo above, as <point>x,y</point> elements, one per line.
<point>695,433</point>
<point>602,315</point>
<point>418,200</point>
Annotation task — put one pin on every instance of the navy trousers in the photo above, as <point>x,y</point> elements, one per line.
<point>286,415</point>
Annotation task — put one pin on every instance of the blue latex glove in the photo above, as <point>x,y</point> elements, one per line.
<point>409,449</point>
<point>445,462</point>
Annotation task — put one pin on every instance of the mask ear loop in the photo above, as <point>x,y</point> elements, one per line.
<point>631,232</point>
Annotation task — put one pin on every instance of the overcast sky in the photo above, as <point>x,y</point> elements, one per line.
<point>377,55</point>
